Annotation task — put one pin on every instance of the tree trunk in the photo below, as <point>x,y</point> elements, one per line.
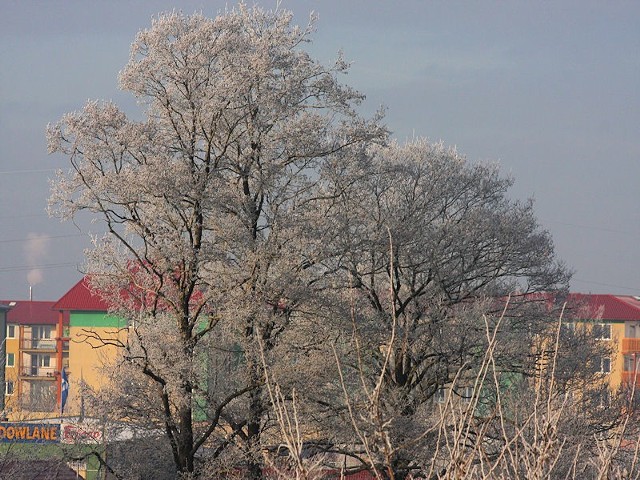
<point>185,442</point>
<point>256,409</point>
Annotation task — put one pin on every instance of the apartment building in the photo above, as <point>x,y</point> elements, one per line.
<point>614,319</point>
<point>3,327</point>
<point>35,352</point>
<point>44,337</point>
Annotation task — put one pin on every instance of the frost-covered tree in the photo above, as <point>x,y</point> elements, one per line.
<point>206,202</point>
<point>423,235</point>
<point>260,233</point>
<point>428,243</point>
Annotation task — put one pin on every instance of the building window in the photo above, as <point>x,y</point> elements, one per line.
<point>605,365</point>
<point>602,331</point>
<point>8,388</point>
<point>42,396</point>
<point>467,394</point>
<point>11,359</point>
<point>441,395</point>
<point>604,398</point>
<point>11,331</point>
<point>630,362</point>
<point>41,331</point>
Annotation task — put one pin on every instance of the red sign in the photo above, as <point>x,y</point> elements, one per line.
<point>77,433</point>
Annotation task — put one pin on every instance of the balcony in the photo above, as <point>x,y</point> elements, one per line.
<point>43,344</point>
<point>630,345</point>
<point>48,344</point>
<point>40,373</point>
<point>628,377</point>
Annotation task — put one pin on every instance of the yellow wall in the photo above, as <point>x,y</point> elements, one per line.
<point>617,361</point>
<point>88,354</point>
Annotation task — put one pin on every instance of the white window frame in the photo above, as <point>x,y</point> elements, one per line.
<point>9,391</point>
<point>42,360</point>
<point>11,330</point>
<point>605,361</point>
<point>467,394</point>
<point>41,332</point>
<point>441,395</point>
<point>12,356</point>
<point>605,331</point>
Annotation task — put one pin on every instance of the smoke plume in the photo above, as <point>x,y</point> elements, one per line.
<point>35,250</point>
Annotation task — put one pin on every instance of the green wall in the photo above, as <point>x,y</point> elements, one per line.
<point>95,319</point>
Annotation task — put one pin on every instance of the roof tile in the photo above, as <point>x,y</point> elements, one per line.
<point>607,307</point>
<point>81,298</point>
<point>29,312</point>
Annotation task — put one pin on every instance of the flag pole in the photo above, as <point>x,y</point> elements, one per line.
<point>64,391</point>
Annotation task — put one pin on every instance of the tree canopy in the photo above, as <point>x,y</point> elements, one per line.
<point>271,240</point>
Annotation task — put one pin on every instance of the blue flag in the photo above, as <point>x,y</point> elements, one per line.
<point>64,390</point>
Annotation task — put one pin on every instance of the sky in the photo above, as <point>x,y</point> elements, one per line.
<point>549,90</point>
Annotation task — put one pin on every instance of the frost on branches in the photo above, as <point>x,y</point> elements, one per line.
<point>263,239</point>
<point>206,202</point>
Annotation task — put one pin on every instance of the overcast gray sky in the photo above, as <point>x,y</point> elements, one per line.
<point>550,90</point>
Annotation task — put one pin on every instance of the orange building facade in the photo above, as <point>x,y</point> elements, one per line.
<point>35,353</point>
<point>614,319</point>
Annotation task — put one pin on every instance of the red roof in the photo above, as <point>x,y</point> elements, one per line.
<point>81,298</point>
<point>27,312</point>
<point>606,307</point>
